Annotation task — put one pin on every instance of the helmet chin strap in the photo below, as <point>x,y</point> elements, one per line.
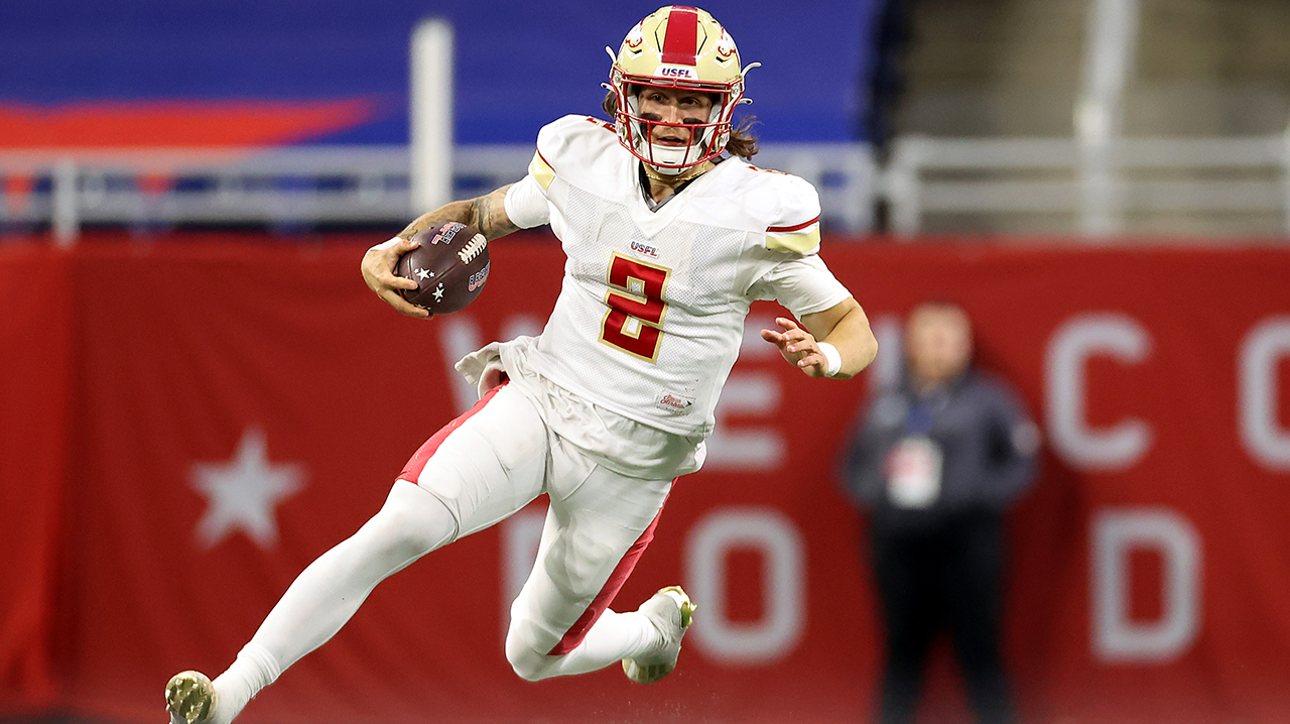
<point>672,175</point>
<point>663,173</point>
<point>674,156</point>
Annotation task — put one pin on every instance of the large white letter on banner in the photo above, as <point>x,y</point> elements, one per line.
<point>1085,336</point>
<point>749,394</point>
<point>772,535</point>
<point>1263,348</point>
<point>1118,638</point>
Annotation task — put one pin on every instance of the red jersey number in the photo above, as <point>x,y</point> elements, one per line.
<point>634,322</point>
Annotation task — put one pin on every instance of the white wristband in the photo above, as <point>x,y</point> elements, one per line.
<point>833,357</point>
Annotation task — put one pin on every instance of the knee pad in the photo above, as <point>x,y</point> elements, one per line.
<point>527,662</point>
<point>412,522</point>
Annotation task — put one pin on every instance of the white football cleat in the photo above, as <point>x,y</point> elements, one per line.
<point>671,611</point>
<point>190,698</point>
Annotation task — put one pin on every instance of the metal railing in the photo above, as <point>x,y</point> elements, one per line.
<point>311,185</point>
<point>281,186</point>
<point>928,176</point>
<point>925,177</point>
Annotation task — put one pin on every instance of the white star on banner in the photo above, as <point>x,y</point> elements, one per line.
<point>242,493</point>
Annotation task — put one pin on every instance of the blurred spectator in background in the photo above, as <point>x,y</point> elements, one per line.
<point>936,461</point>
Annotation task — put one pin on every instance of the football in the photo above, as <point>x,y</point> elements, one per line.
<point>450,267</point>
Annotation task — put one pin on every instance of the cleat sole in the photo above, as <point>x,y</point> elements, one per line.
<point>189,695</point>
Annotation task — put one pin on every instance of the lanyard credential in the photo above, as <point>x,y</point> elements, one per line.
<point>914,464</point>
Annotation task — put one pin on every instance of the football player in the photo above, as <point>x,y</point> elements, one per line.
<point>670,235</point>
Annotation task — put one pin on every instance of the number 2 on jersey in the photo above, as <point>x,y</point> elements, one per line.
<point>634,321</point>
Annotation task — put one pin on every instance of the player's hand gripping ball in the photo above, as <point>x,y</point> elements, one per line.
<point>450,267</point>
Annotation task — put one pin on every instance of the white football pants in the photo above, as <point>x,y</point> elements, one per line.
<point>481,468</point>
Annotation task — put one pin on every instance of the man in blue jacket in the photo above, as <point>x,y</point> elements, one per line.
<point>936,461</point>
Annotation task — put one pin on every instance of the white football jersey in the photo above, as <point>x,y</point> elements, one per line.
<point>650,316</point>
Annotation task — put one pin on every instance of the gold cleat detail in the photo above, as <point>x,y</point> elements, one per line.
<point>189,695</point>
<point>670,611</point>
<point>688,607</point>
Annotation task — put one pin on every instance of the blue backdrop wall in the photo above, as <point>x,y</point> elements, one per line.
<point>519,64</point>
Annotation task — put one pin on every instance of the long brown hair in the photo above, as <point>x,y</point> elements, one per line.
<point>742,143</point>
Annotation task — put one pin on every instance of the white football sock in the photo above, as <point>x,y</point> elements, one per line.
<point>254,669</point>
<point>329,591</point>
<point>614,637</point>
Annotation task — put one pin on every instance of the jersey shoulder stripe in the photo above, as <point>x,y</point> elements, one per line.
<point>798,227</point>
<point>802,239</point>
<point>541,171</point>
<point>792,219</point>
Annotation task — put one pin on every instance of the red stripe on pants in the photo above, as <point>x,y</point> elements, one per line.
<point>578,631</point>
<point>412,470</point>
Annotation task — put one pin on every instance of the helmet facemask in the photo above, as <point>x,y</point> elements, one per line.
<point>706,138</point>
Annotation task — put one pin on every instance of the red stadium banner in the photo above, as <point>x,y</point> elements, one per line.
<point>35,390</point>
<point>236,409</point>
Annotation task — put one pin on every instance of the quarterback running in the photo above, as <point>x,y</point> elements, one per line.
<point>670,235</point>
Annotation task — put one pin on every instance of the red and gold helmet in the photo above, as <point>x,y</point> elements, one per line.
<point>677,47</point>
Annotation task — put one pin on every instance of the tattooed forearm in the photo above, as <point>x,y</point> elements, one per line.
<point>490,215</point>
<point>486,213</point>
<point>455,211</point>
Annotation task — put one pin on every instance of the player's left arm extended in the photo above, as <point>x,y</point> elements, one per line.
<point>844,325</point>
